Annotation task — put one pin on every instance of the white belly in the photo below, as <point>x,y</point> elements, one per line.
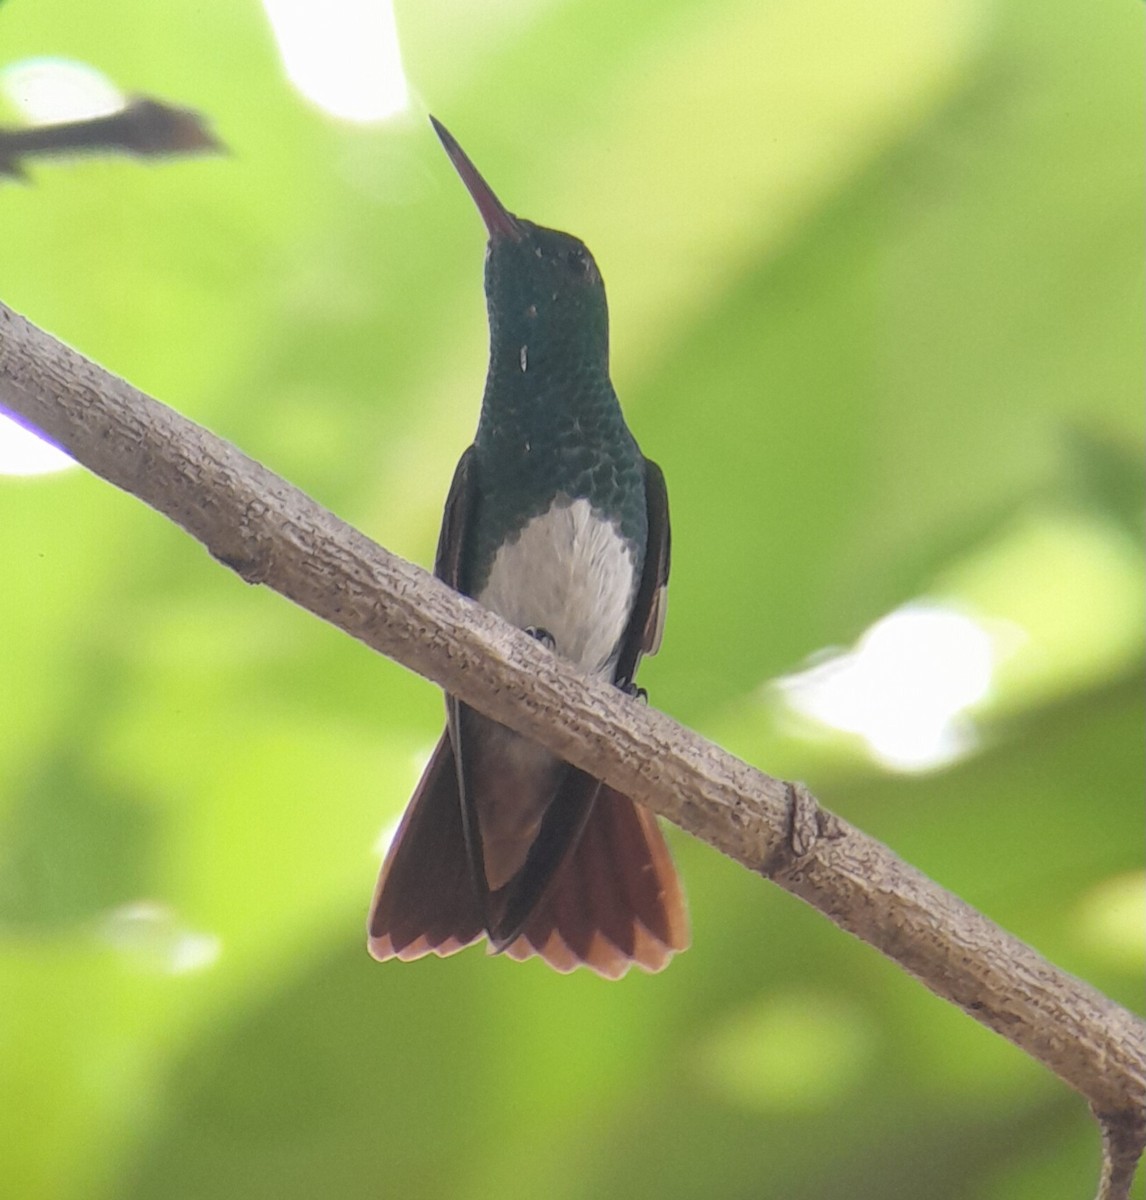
<point>570,573</point>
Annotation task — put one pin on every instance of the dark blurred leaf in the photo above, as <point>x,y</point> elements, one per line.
<point>1105,475</point>
<point>143,127</point>
<point>71,848</point>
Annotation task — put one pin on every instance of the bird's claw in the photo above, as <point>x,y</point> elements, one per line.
<point>542,635</point>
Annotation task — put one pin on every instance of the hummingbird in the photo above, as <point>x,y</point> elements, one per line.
<point>557,522</point>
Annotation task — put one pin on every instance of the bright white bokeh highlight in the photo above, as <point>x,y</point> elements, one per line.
<point>151,936</point>
<point>342,55</point>
<point>24,453</point>
<point>47,90</point>
<point>906,687</point>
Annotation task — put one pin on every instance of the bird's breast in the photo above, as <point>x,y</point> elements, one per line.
<point>571,573</point>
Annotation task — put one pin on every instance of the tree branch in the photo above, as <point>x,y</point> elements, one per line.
<point>271,533</point>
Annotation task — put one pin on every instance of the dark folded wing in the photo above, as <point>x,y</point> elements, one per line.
<point>646,622</point>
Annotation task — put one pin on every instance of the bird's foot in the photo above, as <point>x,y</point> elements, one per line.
<point>630,689</point>
<point>542,635</point>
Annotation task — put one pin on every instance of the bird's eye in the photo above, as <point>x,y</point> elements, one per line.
<point>577,261</point>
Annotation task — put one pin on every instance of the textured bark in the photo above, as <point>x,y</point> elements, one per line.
<point>271,533</point>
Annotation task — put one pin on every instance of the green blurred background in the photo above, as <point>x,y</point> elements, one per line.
<point>875,276</point>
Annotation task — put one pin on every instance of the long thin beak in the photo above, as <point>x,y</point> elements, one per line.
<point>500,222</point>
